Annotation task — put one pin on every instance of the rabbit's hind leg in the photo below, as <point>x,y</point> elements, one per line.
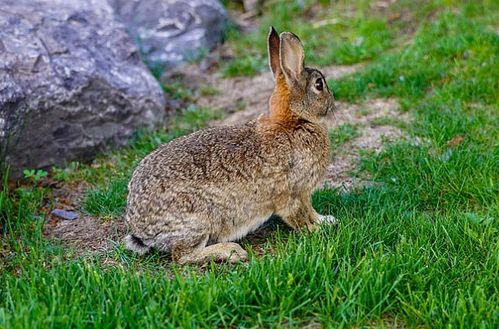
<point>223,251</point>
<point>219,252</point>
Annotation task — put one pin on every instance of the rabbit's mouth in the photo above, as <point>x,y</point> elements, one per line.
<point>331,107</point>
<point>330,110</point>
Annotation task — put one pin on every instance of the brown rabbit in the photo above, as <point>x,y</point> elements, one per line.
<point>194,195</point>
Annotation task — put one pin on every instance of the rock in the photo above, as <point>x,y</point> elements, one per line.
<point>71,82</point>
<point>64,214</point>
<point>169,32</point>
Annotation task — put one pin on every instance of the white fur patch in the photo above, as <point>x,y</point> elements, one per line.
<point>328,219</point>
<point>243,230</point>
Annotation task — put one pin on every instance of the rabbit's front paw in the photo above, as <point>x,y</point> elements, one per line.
<point>328,219</point>
<point>312,227</point>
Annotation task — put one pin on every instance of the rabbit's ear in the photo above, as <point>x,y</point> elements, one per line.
<point>292,56</point>
<point>273,45</point>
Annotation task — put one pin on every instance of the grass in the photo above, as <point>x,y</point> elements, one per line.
<point>108,201</point>
<point>418,249</point>
<point>342,134</point>
<point>207,90</point>
<point>177,91</point>
<point>339,32</point>
<point>390,121</point>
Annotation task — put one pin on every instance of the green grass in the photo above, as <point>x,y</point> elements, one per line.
<point>177,91</point>
<point>390,121</point>
<point>333,32</point>
<point>342,134</point>
<point>420,248</point>
<point>207,90</point>
<point>108,201</point>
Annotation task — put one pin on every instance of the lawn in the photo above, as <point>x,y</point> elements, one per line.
<point>419,247</point>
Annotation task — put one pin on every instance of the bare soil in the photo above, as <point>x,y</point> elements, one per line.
<point>86,234</point>
<point>371,137</point>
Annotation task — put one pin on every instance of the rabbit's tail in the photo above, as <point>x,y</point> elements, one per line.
<point>136,244</point>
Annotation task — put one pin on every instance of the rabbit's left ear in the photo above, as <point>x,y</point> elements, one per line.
<point>273,45</point>
<point>292,56</point>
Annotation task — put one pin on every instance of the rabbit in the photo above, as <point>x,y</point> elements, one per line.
<point>194,196</point>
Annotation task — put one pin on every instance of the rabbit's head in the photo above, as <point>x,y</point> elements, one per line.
<point>300,92</point>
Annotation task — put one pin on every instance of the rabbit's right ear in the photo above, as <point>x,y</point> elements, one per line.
<point>273,45</point>
<point>292,57</point>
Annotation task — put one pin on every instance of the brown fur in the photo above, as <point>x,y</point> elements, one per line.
<point>279,104</point>
<point>191,196</point>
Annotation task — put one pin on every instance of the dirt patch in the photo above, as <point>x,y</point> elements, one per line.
<point>86,234</point>
<point>371,120</point>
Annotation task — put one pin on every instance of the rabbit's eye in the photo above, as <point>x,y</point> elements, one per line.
<point>319,85</point>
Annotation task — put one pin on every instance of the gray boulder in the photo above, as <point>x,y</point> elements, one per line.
<point>172,31</point>
<point>71,82</point>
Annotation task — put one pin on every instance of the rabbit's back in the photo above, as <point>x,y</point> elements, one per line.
<point>213,155</point>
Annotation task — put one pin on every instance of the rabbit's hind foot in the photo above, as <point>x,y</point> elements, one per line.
<point>219,252</point>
